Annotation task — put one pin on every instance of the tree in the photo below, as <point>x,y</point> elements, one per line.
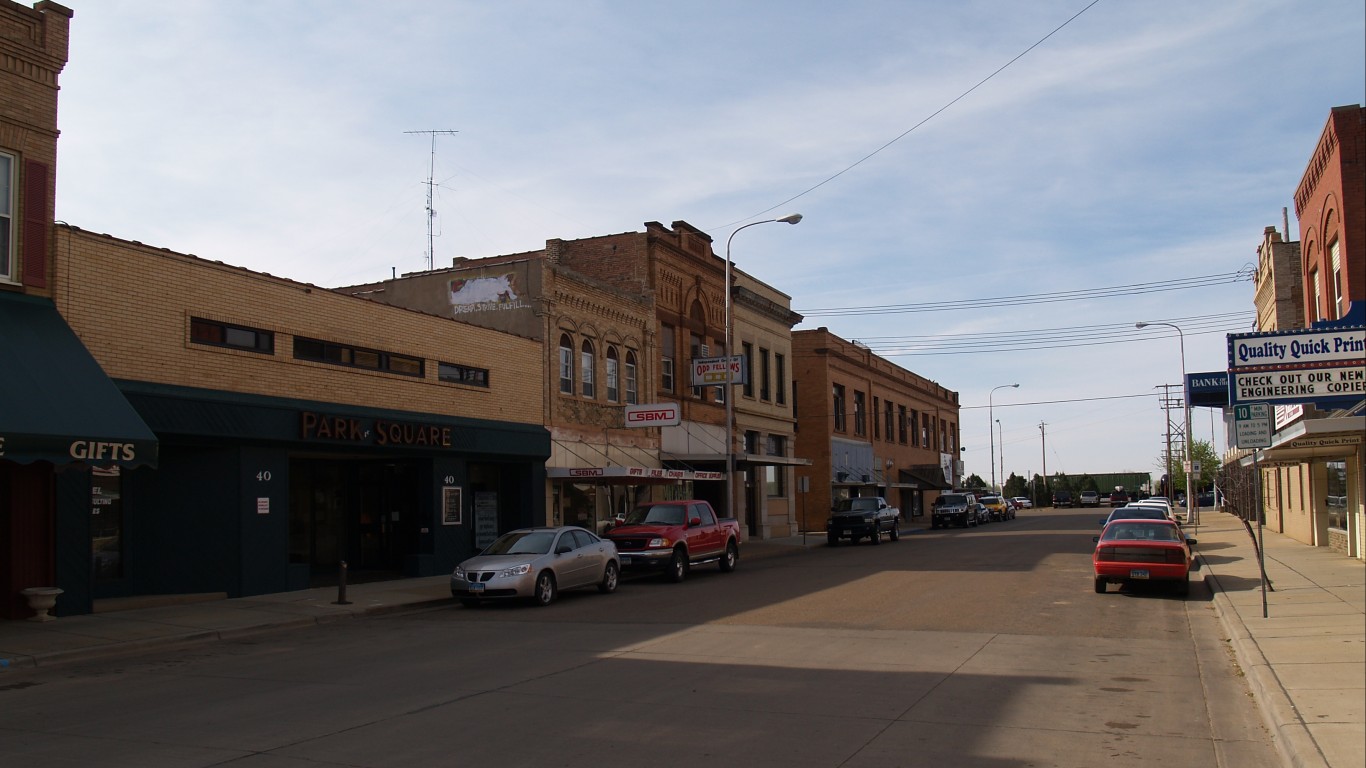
<point>1016,486</point>
<point>1202,452</point>
<point>974,482</point>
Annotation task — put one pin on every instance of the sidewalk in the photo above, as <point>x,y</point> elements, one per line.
<point>1305,662</point>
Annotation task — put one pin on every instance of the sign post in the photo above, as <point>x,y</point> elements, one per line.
<point>1252,429</point>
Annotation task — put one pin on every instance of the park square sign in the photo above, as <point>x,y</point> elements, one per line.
<point>1313,365</point>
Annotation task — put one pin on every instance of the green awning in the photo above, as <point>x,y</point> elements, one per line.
<point>56,403</point>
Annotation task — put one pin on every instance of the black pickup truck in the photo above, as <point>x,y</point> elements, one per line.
<point>869,516</point>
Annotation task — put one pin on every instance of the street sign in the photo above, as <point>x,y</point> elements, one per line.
<point>1252,425</point>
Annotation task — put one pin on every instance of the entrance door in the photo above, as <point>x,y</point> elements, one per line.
<point>362,512</point>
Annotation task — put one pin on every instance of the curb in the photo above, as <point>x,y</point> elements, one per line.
<point>1294,743</point>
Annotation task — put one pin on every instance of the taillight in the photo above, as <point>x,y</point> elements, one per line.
<point>1176,556</point>
<point>1105,555</point>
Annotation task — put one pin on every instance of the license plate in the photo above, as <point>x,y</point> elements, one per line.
<point>626,559</point>
<point>1138,573</point>
<point>477,587</point>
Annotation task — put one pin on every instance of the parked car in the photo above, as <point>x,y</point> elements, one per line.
<point>957,509</point>
<point>1088,499</point>
<point>675,536</point>
<point>1133,551</point>
<point>983,514</point>
<point>537,563</point>
<point>1135,512</point>
<point>1158,503</point>
<point>1023,502</point>
<point>1119,498</point>
<point>997,508</point>
<point>865,516</point>
<point>1062,498</point>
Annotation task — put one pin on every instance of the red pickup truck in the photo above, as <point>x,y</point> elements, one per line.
<point>674,536</point>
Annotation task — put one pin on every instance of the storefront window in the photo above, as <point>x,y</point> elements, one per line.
<point>1337,494</point>
<point>106,523</point>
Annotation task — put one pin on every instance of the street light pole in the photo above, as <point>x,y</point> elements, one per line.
<point>1003,456</point>
<point>791,218</point>
<point>1192,516</point>
<point>991,433</point>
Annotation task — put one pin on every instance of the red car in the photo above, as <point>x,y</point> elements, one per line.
<point>1129,551</point>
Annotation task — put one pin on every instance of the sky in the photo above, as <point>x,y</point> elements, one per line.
<point>993,192</point>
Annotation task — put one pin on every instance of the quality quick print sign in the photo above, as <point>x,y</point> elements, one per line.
<point>1297,366</point>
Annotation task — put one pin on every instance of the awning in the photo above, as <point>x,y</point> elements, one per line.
<point>764,460</point>
<point>58,404</point>
<point>630,474</point>
<point>927,477</point>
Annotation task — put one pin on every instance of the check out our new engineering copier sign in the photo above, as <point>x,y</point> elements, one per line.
<point>1311,365</point>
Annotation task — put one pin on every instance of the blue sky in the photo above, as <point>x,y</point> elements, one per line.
<point>1141,142</point>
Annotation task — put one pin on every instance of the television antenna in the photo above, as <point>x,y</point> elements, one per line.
<point>431,213</point>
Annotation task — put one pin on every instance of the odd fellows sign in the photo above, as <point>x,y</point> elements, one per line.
<point>382,432</point>
<point>1311,365</point>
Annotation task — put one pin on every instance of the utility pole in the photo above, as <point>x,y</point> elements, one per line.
<point>1168,402</point>
<point>1043,450</point>
<point>431,213</point>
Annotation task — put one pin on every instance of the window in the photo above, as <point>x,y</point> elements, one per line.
<point>218,334</point>
<point>877,411</point>
<point>356,357</point>
<point>666,361</point>
<point>696,351</point>
<point>860,416</point>
<point>747,352</point>
<point>775,445</point>
<point>888,422</point>
<point>632,393</point>
<point>462,374</point>
<point>1318,296</point>
<point>780,379</point>
<point>838,406</point>
<point>775,481</point>
<point>613,376</point>
<point>765,391</point>
<point>586,364</point>
<point>901,423</point>
<point>751,442</point>
<point>1335,260</point>
<point>6,217</point>
<point>566,365</point>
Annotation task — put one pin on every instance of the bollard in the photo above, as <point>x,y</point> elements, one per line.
<point>341,585</point>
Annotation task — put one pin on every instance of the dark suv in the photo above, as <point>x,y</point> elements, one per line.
<point>958,509</point>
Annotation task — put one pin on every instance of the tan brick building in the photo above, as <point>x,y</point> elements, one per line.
<point>174,425</point>
<point>869,428</point>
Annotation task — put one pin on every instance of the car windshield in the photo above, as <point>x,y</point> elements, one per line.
<point>522,543</point>
<point>856,505</point>
<point>951,500</point>
<point>660,514</point>
<point>1139,531</point>
<point>991,500</point>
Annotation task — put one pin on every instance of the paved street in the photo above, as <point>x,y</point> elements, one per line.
<point>979,647</point>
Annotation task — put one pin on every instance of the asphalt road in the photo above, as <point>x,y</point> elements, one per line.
<point>979,647</point>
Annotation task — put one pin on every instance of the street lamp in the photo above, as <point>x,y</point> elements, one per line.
<point>992,433</point>
<point>791,218</point>
<point>1003,456</point>
<point>1192,516</point>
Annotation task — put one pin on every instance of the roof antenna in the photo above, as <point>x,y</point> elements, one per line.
<point>431,214</point>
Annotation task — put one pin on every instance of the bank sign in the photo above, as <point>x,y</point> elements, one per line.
<point>1311,365</point>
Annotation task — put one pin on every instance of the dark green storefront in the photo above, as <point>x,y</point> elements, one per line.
<point>255,494</point>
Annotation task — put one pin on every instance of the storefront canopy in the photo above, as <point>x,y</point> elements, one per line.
<point>56,403</point>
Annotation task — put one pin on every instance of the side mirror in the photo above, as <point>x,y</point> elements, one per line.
<point>1190,541</point>
<point>1102,522</point>
<point>693,522</point>
<point>1095,539</point>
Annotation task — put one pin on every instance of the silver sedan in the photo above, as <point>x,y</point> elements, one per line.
<point>537,563</point>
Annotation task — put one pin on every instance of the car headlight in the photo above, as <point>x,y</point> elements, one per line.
<point>659,542</point>
<point>459,573</point>
<point>869,518</point>
<point>516,570</point>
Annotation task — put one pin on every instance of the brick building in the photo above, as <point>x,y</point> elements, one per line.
<point>620,318</point>
<point>173,425</point>
<point>869,428</point>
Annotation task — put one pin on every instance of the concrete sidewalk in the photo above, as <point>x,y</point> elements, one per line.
<point>1305,661</point>
<point>1304,654</point>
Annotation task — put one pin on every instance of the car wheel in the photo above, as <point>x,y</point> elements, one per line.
<point>1100,586</point>
<point>545,588</point>
<point>469,602</point>
<point>678,567</point>
<point>729,559</point>
<point>610,576</point>
<point>896,532</point>
<point>1183,587</point>
<point>876,538</point>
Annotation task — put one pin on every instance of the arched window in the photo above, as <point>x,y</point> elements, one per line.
<point>613,376</point>
<point>586,365</point>
<point>566,365</point>
<point>631,389</point>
